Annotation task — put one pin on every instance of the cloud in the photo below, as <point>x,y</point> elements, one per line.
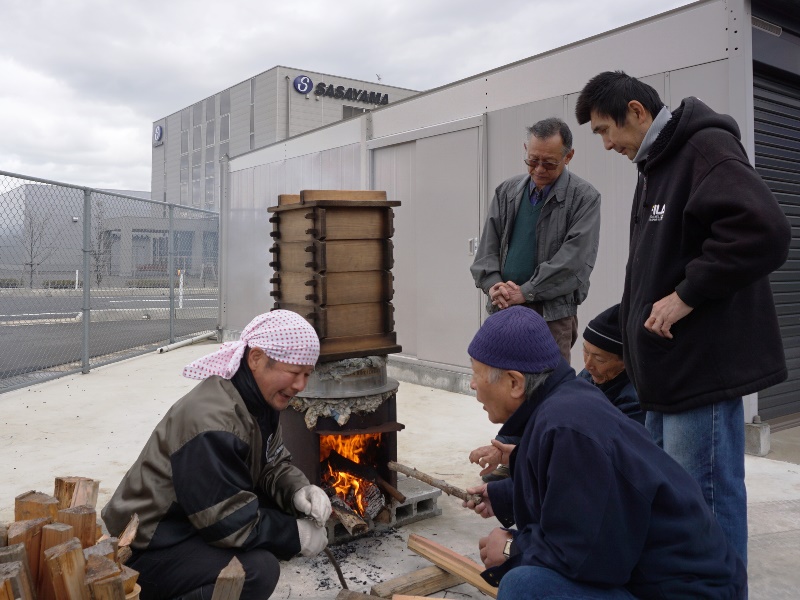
<point>84,80</point>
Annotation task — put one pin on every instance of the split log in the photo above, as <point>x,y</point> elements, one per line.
<point>82,519</point>
<point>110,588</point>
<point>6,589</point>
<point>354,524</point>
<point>229,582</point>
<point>76,491</point>
<point>340,463</point>
<point>419,583</point>
<point>67,566</point>
<point>35,505</point>
<point>452,562</point>
<point>100,568</point>
<point>29,533</point>
<point>129,533</point>
<point>21,583</point>
<point>52,535</point>
<point>17,553</point>
<point>104,548</point>
<point>129,577</point>
<point>3,535</point>
<point>448,489</point>
<point>124,554</point>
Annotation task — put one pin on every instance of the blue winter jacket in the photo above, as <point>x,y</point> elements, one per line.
<point>594,499</point>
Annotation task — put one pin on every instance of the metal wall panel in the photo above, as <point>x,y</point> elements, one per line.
<point>708,82</point>
<point>266,108</point>
<point>777,152</point>
<point>394,170</point>
<point>240,118</point>
<point>701,29</point>
<point>447,195</point>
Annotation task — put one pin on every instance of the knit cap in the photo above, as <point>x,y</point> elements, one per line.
<point>603,331</point>
<point>283,335</point>
<point>515,339</point>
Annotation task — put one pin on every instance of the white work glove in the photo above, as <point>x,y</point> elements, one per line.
<point>312,501</point>
<point>313,539</point>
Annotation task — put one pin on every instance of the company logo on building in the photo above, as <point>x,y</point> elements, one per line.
<point>303,84</point>
<point>158,135</point>
<point>342,93</point>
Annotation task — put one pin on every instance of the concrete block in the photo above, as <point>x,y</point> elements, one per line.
<point>756,439</point>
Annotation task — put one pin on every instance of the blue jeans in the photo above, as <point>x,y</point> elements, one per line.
<point>709,443</point>
<point>535,583</point>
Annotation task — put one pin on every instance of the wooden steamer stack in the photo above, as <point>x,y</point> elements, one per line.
<point>332,262</point>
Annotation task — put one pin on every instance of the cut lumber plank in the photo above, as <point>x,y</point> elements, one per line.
<point>452,562</point>
<point>82,518</point>
<point>229,582</point>
<point>129,577</point>
<point>21,584</point>
<point>99,568</point>
<point>288,199</point>
<point>67,566</point>
<point>350,595</point>
<point>6,589</point>
<point>110,588</point>
<point>422,582</point>
<point>3,535</point>
<point>67,488</point>
<point>129,533</point>
<point>29,533</point>
<point>356,195</point>
<point>124,554</point>
<point>35,505</point>
<point>104,548</point>
<point>52,535</point>
<point>17,553</point>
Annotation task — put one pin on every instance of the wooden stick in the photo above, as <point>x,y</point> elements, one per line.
<point>448,489</point>
<point>29,533</point>
<point>354,524</point>
<point>35,505</point>
<point>129,534</point>
<point>230,582</point>
<point>82,518</point>
<point>452,562</point>
<point>17,553</point>
<point>67,565</point>
<point>422,582</point>
<point>362,471</point>
<point>52,535</point>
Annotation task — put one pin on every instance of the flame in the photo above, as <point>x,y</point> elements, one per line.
<point>353,447</point>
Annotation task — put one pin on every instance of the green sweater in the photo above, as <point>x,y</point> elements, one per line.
<point>521,260</point>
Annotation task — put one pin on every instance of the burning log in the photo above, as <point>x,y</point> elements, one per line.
<point>448,489</point>
<point>340,463</point>
<point>354,524</point>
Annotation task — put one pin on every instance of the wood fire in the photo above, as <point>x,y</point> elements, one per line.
<point>360,495</point>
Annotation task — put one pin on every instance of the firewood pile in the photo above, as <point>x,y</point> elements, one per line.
<point>55,548</point>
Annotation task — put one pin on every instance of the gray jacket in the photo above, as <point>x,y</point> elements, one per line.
<point>567,237</point>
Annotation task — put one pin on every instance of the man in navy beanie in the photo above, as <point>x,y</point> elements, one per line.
<point>600,510</point>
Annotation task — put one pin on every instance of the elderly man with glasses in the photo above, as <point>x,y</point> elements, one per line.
<point>540,239</point>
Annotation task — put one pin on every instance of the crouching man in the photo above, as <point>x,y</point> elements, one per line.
<point>215,481</point>
<point>600,510</point>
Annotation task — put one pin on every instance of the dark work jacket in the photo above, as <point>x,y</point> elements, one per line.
<point>704,225</point>
<point>595,500</point>
<point>621,393</point>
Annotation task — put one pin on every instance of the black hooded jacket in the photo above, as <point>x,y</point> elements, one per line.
<point>704,225</point>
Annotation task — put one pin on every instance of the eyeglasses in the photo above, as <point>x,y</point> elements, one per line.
<point>550,166</point>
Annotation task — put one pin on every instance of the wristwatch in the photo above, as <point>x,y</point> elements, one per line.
<point>507,548</point>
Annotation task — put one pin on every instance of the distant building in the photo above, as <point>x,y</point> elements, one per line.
<point>267,108</point>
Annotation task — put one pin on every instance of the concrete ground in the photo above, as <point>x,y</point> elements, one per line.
<point>95,425</point>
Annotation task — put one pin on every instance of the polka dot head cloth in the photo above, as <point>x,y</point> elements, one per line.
<point>283,335</point>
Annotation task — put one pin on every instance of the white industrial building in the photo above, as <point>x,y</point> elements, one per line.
<point>442,153</point>
<point>271,106</point>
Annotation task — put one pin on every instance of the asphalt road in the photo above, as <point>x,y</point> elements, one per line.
<point>15,308</point>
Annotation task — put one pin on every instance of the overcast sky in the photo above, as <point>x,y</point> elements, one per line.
<point>81,81</point>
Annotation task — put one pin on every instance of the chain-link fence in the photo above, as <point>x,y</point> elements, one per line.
<point>144,273</point>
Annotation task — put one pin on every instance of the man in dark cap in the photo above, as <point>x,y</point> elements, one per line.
<point>603,364</point>
<point>600,510</point>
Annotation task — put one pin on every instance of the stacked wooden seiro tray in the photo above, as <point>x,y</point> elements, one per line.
<point>332,259</point>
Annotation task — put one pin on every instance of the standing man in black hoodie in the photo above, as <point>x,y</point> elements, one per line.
<point>705,233</point>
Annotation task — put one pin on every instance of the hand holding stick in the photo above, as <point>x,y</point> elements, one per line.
<point>437,483</point>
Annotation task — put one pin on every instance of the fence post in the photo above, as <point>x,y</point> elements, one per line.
<point>171,268</point>
<point>87,250</point>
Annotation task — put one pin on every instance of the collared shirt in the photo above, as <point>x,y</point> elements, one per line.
<point>537,196</point>
<point>662,118</point>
